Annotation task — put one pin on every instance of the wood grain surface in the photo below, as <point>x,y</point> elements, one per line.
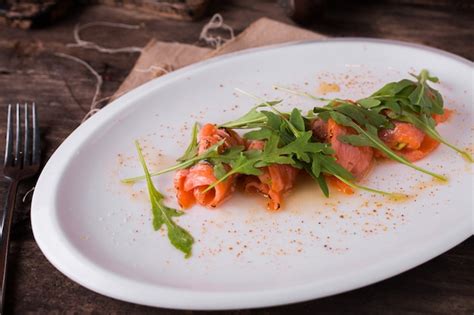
<point>29,71</point>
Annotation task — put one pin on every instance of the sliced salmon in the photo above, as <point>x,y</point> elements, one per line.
<point>357,160</point>
<point>443,117</point>
<point>339,185</point>
<point>427,146</point>
<point>275,181</point>
<point>410,142</point>
<point>403,135</point>
<point>210,135</point>
<point>185,198</point>
<point>191,183</point>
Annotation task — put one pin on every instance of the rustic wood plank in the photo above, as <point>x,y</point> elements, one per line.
<point>29,71</point>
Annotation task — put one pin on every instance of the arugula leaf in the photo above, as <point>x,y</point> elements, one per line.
<point>219,170</point>
<point>252,119</point>
<point>244,164</point>
<point>162,215</point>
<point>297,120</point>
<point>260,134</point>
<point>358,140</point>
<point>227,156</point>
<point>393,105</point>
<point>319,178</point>
<point>330,166</point>
<point>323,185</point>
<point>249,120</point>
<point>286,135</point>
<point>192,149</point>
<point>302,146</point>
<point>368,102</point>
<point>315,166</point>
<point>416,96</point>
<point>362,116</point>
<point>393,88</point>
<point>428,99</point>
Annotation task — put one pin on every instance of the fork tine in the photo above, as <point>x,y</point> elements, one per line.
<point>9,138</point>
<point>35,159</point>
<point>26,147</point>
<point>18,135</point>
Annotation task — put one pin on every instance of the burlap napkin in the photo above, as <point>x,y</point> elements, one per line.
<point>159,58</point>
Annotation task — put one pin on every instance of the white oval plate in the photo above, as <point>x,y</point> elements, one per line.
<point>98,231</point>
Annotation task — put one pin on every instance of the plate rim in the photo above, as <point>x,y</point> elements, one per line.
<point>209,300</point>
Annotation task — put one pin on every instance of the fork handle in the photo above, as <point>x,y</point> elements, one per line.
<point>7,220</point>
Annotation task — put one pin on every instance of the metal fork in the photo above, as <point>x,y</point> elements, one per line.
<point>22,160</point>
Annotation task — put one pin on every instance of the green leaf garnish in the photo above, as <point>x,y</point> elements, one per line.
<point>192,149</point>
<point>219,170</point>
<point>251,119</point>
<point>297,120</point>
<point>162,215</point>
<point>368,102</point>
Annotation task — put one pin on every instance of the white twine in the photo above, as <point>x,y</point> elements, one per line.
<point>93,108</point>
<point>27,193</point>
<point>91,45</point>
<point>216,22</point>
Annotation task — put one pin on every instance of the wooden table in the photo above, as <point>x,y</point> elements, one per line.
<point>30,72</point>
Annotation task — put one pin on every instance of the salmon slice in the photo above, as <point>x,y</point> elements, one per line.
<point>443,117</point>
<point>275,181</point>
<point>357,160</point>
<point>210,135</point>
<point>190,185</point>
<point>185,198</point>
<point>403,135</point>
<point>415,144</point>
<point>339,185</point>
<point>427,146</point>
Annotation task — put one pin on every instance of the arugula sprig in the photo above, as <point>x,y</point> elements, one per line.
<point>192,149</point>
<point>252,119</point>
<point>414,102</point>
<point>418,96</point>
<point>163,215</point>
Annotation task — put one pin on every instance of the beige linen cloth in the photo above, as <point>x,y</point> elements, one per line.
<point>159,58</point>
